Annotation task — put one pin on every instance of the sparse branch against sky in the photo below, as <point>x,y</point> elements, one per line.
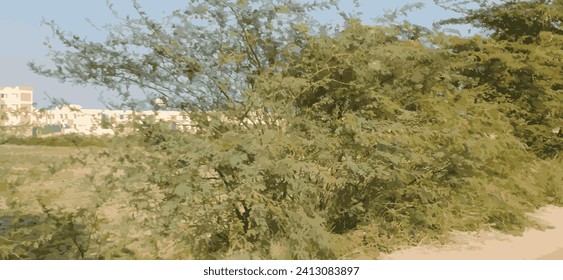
<point>23,35</point>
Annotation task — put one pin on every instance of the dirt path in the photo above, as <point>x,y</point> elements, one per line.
<point>533,244</point>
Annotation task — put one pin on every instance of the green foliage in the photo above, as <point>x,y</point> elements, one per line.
<point>519,68</point>
<point>52,235</point>
<point>405,144</point>
<point>67,140</point>
<point>31,225</point>
<point>515,20</point>
<point>303,137</point>
<point>210,50</point>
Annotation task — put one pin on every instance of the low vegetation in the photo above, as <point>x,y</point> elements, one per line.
<point>58,141</point>
<point>310,144</point>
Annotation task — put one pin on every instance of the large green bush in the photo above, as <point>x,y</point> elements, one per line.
<point>518,68</point>
<point>304,138</point>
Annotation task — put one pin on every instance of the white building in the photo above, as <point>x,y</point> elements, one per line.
<point>16,111</point>
<point>73,118</point>
<point>16,105</point>
<point>15,98</point>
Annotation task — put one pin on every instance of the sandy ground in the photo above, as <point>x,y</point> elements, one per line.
<point>532,245</point>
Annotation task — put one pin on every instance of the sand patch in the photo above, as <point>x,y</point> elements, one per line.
<point>494,245</point>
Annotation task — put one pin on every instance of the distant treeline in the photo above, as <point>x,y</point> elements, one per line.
<point>71,140</point>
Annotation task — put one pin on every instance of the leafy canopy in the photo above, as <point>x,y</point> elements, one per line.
<point>306,134</point>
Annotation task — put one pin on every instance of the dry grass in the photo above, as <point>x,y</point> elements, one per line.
<point>30,174</point>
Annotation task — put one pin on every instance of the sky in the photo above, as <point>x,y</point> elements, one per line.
<point>22,35</point>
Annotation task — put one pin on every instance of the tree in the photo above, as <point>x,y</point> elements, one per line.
<point>518,67</point>
<point>303,137</point>
<point>203,57</point>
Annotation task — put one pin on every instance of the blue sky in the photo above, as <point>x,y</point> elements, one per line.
<point>20,22</point>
